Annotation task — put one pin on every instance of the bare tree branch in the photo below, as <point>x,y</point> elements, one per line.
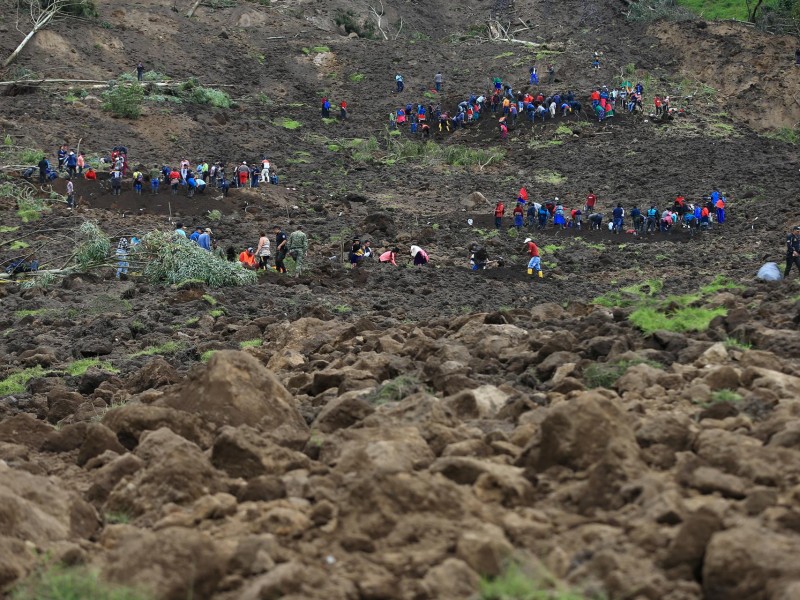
<point>40,17</point>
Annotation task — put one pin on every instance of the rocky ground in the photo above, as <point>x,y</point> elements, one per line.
<point>402,432</point>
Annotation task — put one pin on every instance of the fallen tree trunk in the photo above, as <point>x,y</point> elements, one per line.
<point>99,83</point>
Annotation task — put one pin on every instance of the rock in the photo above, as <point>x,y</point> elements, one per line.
<point>129,422</point>
<point>263,488</point>
<point>379,223</point>
<point>107,476</point>
<point>255,554</point>
<point>750,562</point>
<point>16,559</point>
<point>451,580</point>
<point>479,403</point>
<point>385,450</point>
<point>175,471</point>
<point>155,374</point>
<point>174,562</point>
<point>25,430</point>
<point>343,411</point>
<point>708,480</point>
<point>548,366</point>
<point>688,547</point>
<point>476,200</point>
<point>484,550</point>
<point>236,389</point>
<point>286,360</point>
<point>723,378</point>
<point>243,452</point>
<point>97,440</point>
<point>66,439</point>
<point>716,354</point>
<point>95,347</point>
<point>62,404</point>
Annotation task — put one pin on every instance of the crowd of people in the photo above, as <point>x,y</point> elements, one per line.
<point>681,213</point>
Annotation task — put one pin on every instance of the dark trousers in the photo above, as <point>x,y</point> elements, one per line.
<point>791,260</point>
<point>279,262</point>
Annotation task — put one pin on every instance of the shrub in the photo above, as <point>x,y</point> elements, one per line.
<point>357,77</point>
<point>214,215</point>
<point>154,76</point>
<point>209,96</point>
<point>124,100</point>
<point>94,246</point>
<point>173,261</point>
<point>206,356</point>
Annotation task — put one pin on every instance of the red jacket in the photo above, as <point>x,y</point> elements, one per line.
<point>499,210</point>
<point>523,193</point>
<point>518,210</point>
<point>590,200</point>
<point>533,249</point>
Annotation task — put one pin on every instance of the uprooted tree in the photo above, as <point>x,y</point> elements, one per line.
<point>38,14</point>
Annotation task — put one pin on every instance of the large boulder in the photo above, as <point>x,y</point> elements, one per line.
<point>130,421</point>
<point>243,452</point>
<point>236,389</point>
<point>751,562</point>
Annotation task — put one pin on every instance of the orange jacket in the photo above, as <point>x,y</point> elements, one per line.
<point>248,260</point>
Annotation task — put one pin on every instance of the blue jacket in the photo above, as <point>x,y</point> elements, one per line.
<point>204,241</point>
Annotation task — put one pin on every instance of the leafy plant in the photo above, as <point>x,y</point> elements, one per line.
<point>514,584</point>
<point>210,299</point>
<point>287,123</point>
<point>94,246</point>
<point>118,518</point>
<point>124,100</point>
<point>735,344</point>
<point>154,76</point>
<point>214,215</point>
<point>206,356</point>
<point>209,96</point>
<point>650,319</point>
<point>730,396</point>
<point>357,77</point>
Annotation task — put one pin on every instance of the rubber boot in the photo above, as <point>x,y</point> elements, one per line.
<point>530,271</point>
<point>541,275</point>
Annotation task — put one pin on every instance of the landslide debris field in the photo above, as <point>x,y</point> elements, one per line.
<point>627,427</point>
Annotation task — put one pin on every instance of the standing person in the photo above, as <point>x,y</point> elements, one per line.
<point>71,163</point>
<point>81,162</point>
<point>204,240</point>
<point>155,179</point>
<point>551,74</point>
<point>262,251</point>
<point>792,250</point>
<point>140,72</point>
<point>618,214</point>
<point>398,79</point>
<point>326,108</point>
<point>519,216</point>
<point>719,205</point>
<point>70,195</point>
<point>297,246</point>
<point>264,171</point>
<point>243,173</point>
<point>534,76</point>
<point>62,156</point>
<point>534,262</point>
<point>44,166</point>
<point>356,253</point>
<point>174,180</point>
<point>280,248</point>
<point>122,257</point>
<point>343,110</point>
<point>499,211</point>
<point>419,255</point>
<point>180,231</point>
<point>116,182</point>
<point>138,179</point>
<point>437,81</point>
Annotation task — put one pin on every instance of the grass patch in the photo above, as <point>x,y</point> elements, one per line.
<point>19,245</point>
<point>217,312</point>
<point>79,367</point>
<point>394,390</point>
<point>165,348</point>
<point>21,314</point>
<point>118,518</point>
<point>210,299</point>
<point>15,383</point>
<point>650,319</point>
<point>250,344</point>
<point>357,77</point>
<point>514,584</point>
<point>784,134</point>
<point>717,9</point>
<point>287,123</point>
<point>729,396</point>
<point>550,248</point>
<point>549,177</point>
<point>320,49</point>
<point>206,356</point>
<point>719,284</point>
<point>735,344</point>
<point>342,309</point>
<point>606,374</point>
<point>8,228</point>
<point>630,295</point>
<point>721,130</point>
<point>214,215</point>
<point>63,583</point>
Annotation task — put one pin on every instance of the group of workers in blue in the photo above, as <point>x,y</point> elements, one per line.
<point>681,213</point>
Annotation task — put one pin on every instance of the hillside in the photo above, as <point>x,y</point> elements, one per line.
<point>625,427</point>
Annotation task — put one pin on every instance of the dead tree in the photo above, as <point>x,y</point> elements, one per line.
<point>40,15</point>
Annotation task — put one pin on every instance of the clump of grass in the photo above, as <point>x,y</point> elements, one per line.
<point>19,245</point>
<point>514,584</point>
<point>650,319</point>
<point>206,356</point>
<point>630,295</point>
<point>63,583</point>
<point>16,382</point>
<point>214,215</point>
<point>118,518</point>
<point>217,312</point>
<point>21,314</point>
<point>210,299</point>
<point>250,343</point>
<point>209,96</point>
<point>320,49</point>
<point>549,177</point>
<point>729,396</point>
<point>720,283</point>
<point>735,344</point>
<point>8,228</point>
<point>79,367</point>
<point>606,374</point>
<point>357,77</point>
<point>504,55</point>
<point>287,123</point>
<point>165,348</point>
<point>550,248</point>
<point>342,309</point>
<point>394,390</point>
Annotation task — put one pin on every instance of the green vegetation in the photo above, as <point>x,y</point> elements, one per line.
<point>217,312</point>
<point>550,177</point>
<point>722,130</point>
<point>154,76</point>
<point>650,319</point>
<point>729,396</point>
<point>606,374</point>
<point>564,130</point>
<point>357,77</point>
<point>348,20</point>
<point>550,248</point>
<point>250,344</point>
<point>394,390</point>
<point>505,55</point>
<point>118,518</point>
<point>210,299</point>
<point>165,348</point>
<point>630,295</point>
<point>717,9</point>
<point>19,245</point>
<point>124,100</point>
<point>174,261</point>
<point>214,215</point>
<point>79,367</point>
<point>433,153</point>
<point>63,583</point>
<point>8,228</point>
<point>206,356</point>
<point>719,284</point>
<point>342,309</point>
<point>785,134</point>
<point>94,247</point>
<point>514,584</point>
<point>16,382</point>
<point>287,123</point>
<point>20,314</point>
<point>209,96</point>
<point>735,344</point>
